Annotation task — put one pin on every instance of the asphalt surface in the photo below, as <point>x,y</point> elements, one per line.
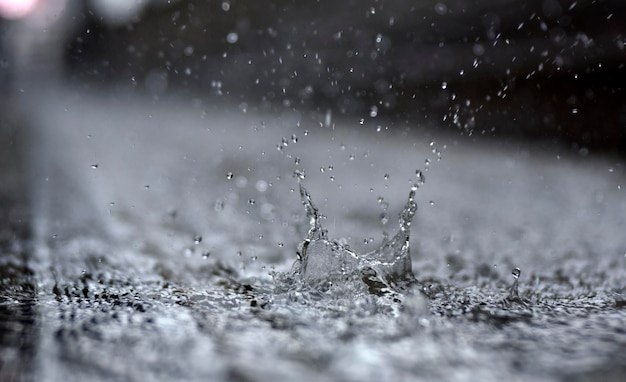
<point>152,239</point>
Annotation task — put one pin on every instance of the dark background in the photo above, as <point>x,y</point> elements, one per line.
<point>546,69</point>
<point>537,68</point>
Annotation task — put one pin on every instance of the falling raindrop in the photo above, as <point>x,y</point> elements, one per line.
<point>232,37</point>
<point>516,273</point>
<point>299,174</point>
<point>219,205</point>
<point>373,111</point>
<point>421,179</point>
<point>384,218</point>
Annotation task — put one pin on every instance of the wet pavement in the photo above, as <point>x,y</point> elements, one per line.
<point>154,240</point>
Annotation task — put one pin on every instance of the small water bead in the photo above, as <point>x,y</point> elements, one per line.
<point>294,138</point>
<point>197,239</point>
<point>251,202</point>
<point>284,142</point>
<point>232,37</point>
<point>229,175</point>
<point>94,166</point>
<point>281,244</point>
<point>516,273</point>
<point>373,111</point>
<point>421,179</point>
<point>297,160</point>
<point>386,176</point>
<point>299,174</point>
<point>384,218</point>
<point>219,205</point>
<point>206,255</point>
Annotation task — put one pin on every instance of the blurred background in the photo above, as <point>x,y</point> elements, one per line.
<point>547,69</point>
<point>128,128</point>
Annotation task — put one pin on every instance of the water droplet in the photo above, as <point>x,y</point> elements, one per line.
<point>229,175</point>
<point>361,121</point>
<point>251,201</point>
<point>444,85</point>
<point>441,8</point>
<point>373,111</point>
<point>384,218</point>
<point>197,239</point>
<point>147,186</point>
<point>432,203</point>
<point>232,37</point>
<point>206,255</point>
<point>294,138</point>
<point>219,205</point>
<point>299,174</point>
<point>386,176</point>
<point>94,166</point>
<point>421,179</point>
<point>514,291</point>
<point>280,244</point>
<point>516,273</point>
<point>225,6</point>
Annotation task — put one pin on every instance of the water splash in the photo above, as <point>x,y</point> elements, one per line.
<point>330,266</point>
<point>514,297</point>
